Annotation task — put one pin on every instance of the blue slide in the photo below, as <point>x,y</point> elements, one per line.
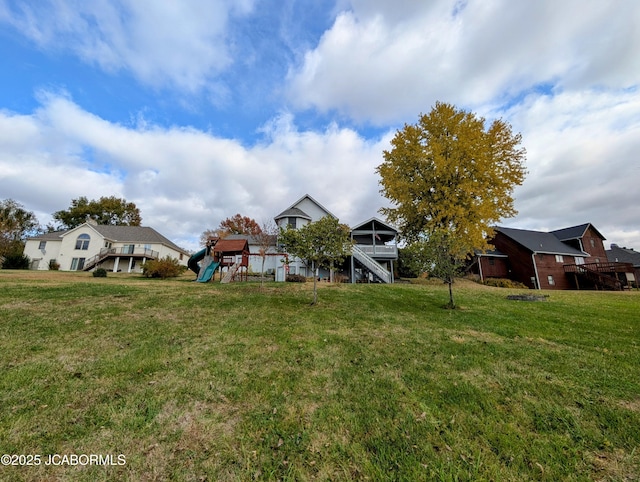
<point>205,273</point>
<point>207,270</point>
<point>193,261</point>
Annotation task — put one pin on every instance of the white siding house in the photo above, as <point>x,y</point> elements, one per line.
<point>375,244</point>
<point>89,246</point>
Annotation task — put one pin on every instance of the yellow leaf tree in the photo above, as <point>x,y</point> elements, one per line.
<point>451,178</point>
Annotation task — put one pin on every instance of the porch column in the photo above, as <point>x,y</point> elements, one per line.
<point>353,270</point>
<point>130,264</point>
<point>115,264</point>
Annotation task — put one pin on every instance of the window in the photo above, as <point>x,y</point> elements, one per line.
<point>128,249</point>
<point>559,258</point>
<point>42,246</point>
<point>77,264</point>
<point>83,242</point>
<point>492,261</point>
<point>291,222</point>
<point>551,280</point>
<point>592,242</point>
<point>579,260</point>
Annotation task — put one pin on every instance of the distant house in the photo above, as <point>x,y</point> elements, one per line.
<point>625,255</point>
<point>114,248</point>
<point>570,258</point>
<point>374,252</point>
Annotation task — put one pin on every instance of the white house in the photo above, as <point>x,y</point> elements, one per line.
<point>302,212</point>
<point>89,246</point>
<point>374,251</point>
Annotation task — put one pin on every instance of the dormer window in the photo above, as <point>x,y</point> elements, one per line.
<point>82,242</point>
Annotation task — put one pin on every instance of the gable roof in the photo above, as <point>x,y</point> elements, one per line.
<point>226,245</point>
<point>540,242</point>
<point>575,232</point>
<point>295,204</point>
<point>623,255</point>
<point>293,213</point>
<point>135,234</point>
<point>366,225</point>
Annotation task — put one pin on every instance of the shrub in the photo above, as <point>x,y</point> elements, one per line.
<point>100,273</point>
<point>164,268</point>
<point>504,283</point>
<point>16,261</point>
<point>296,278</point>
<point>54,265</point>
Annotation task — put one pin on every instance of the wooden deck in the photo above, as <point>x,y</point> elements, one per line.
<point>605,276</point>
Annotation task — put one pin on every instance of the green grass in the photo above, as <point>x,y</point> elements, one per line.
<point>212,382</point>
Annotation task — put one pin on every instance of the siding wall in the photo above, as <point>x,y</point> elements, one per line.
<point>595,252</point>
<point>519,259</point>
<point>499,268</point>
<point>548,266</point>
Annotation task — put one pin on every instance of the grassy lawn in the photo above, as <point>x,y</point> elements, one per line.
<point>212,382</point>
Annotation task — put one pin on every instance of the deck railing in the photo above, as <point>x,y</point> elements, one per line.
<point>122,251</point>
<point>600,273</point>
<point>379,250</point>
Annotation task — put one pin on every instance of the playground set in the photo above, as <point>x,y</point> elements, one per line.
<point>229,256</point>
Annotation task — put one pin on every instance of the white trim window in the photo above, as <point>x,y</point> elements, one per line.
<point>551,281</point>
<point>77,264</point>
<point>559,258</point>
<point>82,242</point>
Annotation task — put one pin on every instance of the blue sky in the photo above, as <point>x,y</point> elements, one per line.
<point>197,110</point>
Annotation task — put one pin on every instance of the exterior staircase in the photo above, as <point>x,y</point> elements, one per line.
<point>98,258</point>
<point>381,273</point>
<point>594,274</point>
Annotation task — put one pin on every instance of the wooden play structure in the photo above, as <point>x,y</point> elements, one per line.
<point>229,256</point>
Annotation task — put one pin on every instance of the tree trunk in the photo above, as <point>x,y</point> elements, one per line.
<point>315,286</point>
<point>262,273</point>
<point>451,305</point>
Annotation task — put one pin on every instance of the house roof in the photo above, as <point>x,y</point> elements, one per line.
<point>293,213</point>
<point>623,255</point>
<point>293,206</point>
<point>51,236</point>
<point>120,234</point>
<point>375,222</point>
<point>254,240</point>
<point>226,245</point>
<point>494,253</point>
<point>574,232</point>
<point>540,242</point>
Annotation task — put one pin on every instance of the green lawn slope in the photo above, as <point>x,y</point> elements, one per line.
<point>175,380</point>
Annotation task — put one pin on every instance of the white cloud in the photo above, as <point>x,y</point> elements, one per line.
<point>582,160</point>
<point>183,180</point>
<point>178,44</point>
<point>379,63</point>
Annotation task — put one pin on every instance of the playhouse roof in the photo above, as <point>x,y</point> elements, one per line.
<point>231,246</point>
